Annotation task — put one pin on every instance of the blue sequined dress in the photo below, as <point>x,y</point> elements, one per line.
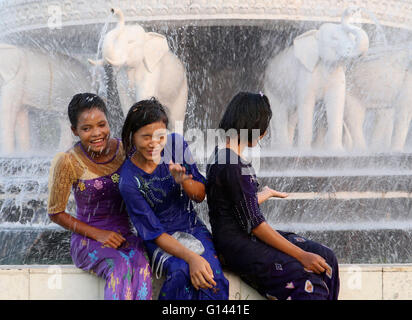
<point>156,204</point>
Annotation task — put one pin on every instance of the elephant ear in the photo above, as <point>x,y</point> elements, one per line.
<point>154,49</point>
<point>305,48</point>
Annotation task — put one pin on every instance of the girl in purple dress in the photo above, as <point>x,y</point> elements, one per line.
<point>280,265</point>
<point>102,241</point>
<point>159,180</point>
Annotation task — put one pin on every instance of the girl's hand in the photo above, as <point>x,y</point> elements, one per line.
<point>110,238</point>
<point>313,262</point>
<point>178,172</point>
<point>274,193</point>
<point>268,193</point>
<point>201,274</point>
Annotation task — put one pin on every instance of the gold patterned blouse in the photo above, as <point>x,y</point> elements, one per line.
<point>69,167</point>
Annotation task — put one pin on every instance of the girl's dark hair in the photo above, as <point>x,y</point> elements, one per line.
<point>141,114</point>
<point>247,111</point>
<point>84,101</point>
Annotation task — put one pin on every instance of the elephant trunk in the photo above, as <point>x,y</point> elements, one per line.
<point>112,51</point>
<point>361,42</point>
<point>120,16</point>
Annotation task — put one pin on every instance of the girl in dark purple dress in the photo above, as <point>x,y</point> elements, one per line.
<point>280,265</point>
<point>102,241</point>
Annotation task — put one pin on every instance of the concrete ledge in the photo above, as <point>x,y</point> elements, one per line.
<point>43,282</point>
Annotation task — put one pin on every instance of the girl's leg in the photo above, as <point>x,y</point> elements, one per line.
<point>330,277</point>
<point>178,285</point>
<point>282,277</point>
<point>130,276</point>
<point>221,291</point>
<point>126,270</point>
<point>276,275</point>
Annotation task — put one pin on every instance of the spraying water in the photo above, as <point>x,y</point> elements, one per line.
<point>97,81</point>
<point>356,203</point>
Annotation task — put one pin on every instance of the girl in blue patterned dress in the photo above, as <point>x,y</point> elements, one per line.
<point>280,265</point>
<point>158,181</point>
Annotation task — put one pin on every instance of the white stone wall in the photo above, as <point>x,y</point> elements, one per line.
<point>18,15</point>
<point>30,282</point>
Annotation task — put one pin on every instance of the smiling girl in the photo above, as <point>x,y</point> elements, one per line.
<point>159,180</point>
<point>102,241</point>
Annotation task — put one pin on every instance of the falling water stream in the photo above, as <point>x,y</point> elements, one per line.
<point>358,204</point>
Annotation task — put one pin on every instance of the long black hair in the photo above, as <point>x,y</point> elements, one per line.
<point>81,102</point>
<point>141,114</point>
<point>247,111</point>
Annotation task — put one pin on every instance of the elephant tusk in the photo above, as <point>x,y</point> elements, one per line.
<point>116,63</point>
<point>96,62</point>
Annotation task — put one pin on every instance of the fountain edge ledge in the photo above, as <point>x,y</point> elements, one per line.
<point>66,282</point>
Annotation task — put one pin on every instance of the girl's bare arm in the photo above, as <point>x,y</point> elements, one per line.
<point>109,238</point>
<point>267,193</point>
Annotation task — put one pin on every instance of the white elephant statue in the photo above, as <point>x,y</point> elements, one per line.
<point>32,80</point>
<point>152,69</point>
<point>383,84</point>
<point>312,70</point>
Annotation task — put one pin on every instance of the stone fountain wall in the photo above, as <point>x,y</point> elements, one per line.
<point>23,15</point>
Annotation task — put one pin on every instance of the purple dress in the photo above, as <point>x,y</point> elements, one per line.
<point>234,211</point>
<point>99,204</point>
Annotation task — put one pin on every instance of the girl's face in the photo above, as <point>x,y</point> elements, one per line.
<point>93,130</point>
<point>150,140</point>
